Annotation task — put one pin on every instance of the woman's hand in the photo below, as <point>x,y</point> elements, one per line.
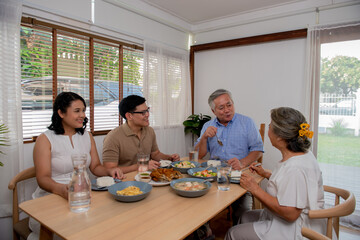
<point>259,170</point>
<point>153,164</point>
<point>116,173</point>
<point>248,182</point>
<point>64,191</point>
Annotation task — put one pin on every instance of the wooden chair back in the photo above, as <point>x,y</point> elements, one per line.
<point>332,214</point>
<point>262,133</point>
<point>20,227</point>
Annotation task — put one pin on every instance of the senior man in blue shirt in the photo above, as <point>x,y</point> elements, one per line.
<point>230,137</point>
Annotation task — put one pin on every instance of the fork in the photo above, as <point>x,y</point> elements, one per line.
<point>219,141</point>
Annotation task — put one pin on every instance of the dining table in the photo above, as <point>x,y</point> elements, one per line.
<point>161,215</point>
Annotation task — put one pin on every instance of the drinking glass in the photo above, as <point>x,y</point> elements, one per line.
<point>143,162</point>
<point>193,154</point>
<point>223,177</point>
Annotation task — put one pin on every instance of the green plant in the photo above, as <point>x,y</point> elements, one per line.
<point>338,127</point>
<point>194,123</point>
<point>3,139</point>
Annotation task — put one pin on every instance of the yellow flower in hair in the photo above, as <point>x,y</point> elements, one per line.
<point>304,131</point>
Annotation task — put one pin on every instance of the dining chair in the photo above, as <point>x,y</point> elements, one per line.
<point>332,214</point>
<point>20,227</point>
<point>256,203</point>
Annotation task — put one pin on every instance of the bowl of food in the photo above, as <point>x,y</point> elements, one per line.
<point>203,173</point>
<point>183,166</point>
<point>130,191</point>
<point>165,163</point>
<point>190,187</point>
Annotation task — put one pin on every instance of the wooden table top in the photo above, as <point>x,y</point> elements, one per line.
<point>162,215</point>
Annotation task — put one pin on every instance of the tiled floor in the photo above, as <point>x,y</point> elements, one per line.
<point>220,224</point>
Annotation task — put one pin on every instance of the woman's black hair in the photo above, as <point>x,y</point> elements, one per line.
<point>62,102</point>
<point>129,104</point>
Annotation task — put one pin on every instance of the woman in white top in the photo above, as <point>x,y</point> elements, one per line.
<point>294,187</point>
<point>53,150</point>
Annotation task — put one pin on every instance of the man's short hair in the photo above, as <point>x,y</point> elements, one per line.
<point>129,104</point>
<point>216,94</point>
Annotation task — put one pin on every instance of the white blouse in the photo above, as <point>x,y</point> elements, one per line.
<point>61,150</point>
<point>296,182</point>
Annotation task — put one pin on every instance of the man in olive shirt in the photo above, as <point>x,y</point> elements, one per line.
<point>123,143</point>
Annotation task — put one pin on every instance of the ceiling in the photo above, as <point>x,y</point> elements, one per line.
<point>198,11</point>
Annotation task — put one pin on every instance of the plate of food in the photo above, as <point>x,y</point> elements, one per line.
<point>102,183</point>
<point>213,163</point>
<point>130,191</point>
<point>159,177</point>
<point>183,166</point>
<point>203,173</point>
<point>190,187</point>
<point>235,176</point>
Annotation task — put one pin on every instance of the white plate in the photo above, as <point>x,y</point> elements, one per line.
<point>94,187</point>
<point>165,163</point>
<point>152,182</point>
<point>235,179</point>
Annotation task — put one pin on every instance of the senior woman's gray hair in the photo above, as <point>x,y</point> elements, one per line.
<point>285,123</point>
<point>216,94</point>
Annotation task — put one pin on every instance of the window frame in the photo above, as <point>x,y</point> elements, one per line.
<point>54,30</point>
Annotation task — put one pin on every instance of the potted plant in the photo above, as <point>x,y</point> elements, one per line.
<point>3,139</point>
<point>194,123</point>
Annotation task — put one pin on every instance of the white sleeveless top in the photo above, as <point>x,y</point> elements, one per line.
<point>61,150</point>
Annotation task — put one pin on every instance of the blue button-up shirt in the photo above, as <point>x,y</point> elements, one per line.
<point>239,138</point>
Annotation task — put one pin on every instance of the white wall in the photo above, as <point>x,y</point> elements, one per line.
<point>261,76</point>
<point>110,20</point>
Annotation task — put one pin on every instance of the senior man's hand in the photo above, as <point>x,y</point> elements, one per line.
<point>174,157</point>
<point>235,164</point>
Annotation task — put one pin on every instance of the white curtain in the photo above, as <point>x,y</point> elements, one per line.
<point>341,176</point>
<point>167,91</point>
<point>10,103</point>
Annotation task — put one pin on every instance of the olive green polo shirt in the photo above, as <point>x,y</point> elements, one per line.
<point>121,145</point>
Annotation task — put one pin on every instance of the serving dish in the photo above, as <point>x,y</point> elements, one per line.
<point>190,194</point>
<point>184,170</point>
<point>144,187</point>
<point>152,182</point>
<point>192,171</point>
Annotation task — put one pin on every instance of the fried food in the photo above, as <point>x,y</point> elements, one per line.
<point>165,174</point>
<point>129,191</point>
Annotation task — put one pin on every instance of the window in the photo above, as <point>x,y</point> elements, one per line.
<point>56,60</point>
<point>339,118</point>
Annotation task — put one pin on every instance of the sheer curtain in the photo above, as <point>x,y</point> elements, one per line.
<point>10,103</point>
<point>167,91</point>
<point>343,172</point>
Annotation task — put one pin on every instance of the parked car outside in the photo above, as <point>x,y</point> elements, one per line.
<point>37,93</point>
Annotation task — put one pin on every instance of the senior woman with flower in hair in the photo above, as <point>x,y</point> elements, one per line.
<point>294,187</point>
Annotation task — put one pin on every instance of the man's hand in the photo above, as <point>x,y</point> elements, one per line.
<point>153,164</point>
<point>174,157</point>
<point>210,132</point>
<point>235,164</point>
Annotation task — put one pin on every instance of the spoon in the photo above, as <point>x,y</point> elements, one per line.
<point>219,141</point>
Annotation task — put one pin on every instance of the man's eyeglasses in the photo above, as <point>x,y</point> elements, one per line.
<point>143,112</point>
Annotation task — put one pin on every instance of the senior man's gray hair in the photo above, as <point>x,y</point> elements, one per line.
<point>216,94</point>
